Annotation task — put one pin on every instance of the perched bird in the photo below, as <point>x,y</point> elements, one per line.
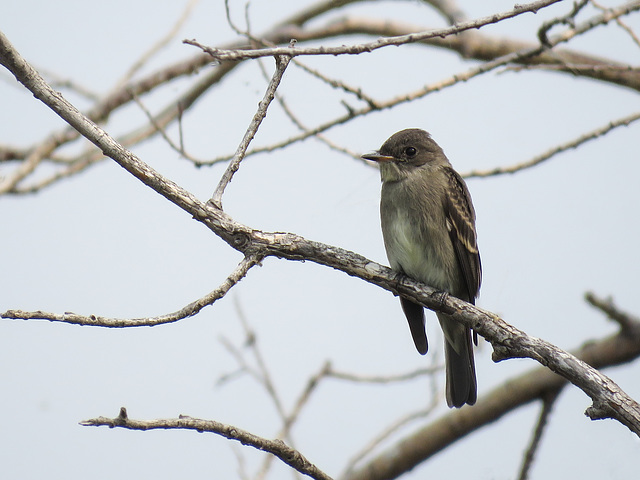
<point>428,225</point>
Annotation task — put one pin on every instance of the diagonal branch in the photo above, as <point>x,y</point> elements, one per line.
<point>188,311</point>
<point>575,143</point>
<point>536,384</point>
<point>281,65</point>
<point>628,323</point>
<point>545,412</point>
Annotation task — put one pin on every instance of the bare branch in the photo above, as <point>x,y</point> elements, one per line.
<point>402,377</point>
<point>535,384</point>
<point>385,434</point>
<point>281,65</point>
<point>403,421</point>
<point>158,46</point>
<point>567,19</point>
<point>262,373</point>
<point>222,54</point>
<point>620,23</point>
<point>9,153</point>
<point>188,311</point>
<point>628,323</point>
<point>291,418</point>
<point>598,132</point>
<point>545,412</point>
<point>34,157</point>
<point>449,9</point>
<point>357,92</point>
<point>288,455</point>
<point>58,82</point>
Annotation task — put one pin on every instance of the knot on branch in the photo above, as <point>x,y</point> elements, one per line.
<point>599,411</point>
<point>240,241</point>
<point>122,417</point>
<point>500,353</point>
<point>509,348</point>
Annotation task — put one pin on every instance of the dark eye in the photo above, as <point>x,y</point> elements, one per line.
<point>410,152</point>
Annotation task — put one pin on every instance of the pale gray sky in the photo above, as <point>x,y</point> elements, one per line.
<point>102,243</point>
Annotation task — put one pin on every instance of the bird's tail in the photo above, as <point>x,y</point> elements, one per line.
<point>415,316</point>
<point>461,384</point>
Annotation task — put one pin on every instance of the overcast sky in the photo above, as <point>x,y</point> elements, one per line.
<point>102,243</point>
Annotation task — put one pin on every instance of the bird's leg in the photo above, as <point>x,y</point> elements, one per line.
<point>398,277</point>
<point>442,298</point>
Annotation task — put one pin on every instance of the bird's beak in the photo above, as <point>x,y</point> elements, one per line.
<point>376,157</point>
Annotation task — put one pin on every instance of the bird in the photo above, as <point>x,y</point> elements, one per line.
<point>429,232</point>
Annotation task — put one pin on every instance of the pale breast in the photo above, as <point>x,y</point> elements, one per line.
<point>417,250</point>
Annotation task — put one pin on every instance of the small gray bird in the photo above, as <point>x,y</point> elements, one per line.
<point>428,225</point>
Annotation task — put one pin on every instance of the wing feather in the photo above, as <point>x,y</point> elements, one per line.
<point>461,218</point>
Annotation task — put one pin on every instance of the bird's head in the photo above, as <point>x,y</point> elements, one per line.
<point>405,151</point>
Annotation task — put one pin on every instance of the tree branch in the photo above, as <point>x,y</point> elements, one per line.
<point>234,55</point>
<point>281,65</point>
<point>288,455</point>
<point>188,311</point>
<point>628,323</point>
<point>535,384</point>
<point>547,405</point>
<point>575,143</point>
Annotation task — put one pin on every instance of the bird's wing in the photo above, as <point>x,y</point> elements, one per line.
<point>461,218</point>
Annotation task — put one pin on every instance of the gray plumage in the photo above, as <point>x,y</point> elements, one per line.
<point>428,225</point>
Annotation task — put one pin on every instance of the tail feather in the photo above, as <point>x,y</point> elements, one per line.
<point>461,384</point>
<point>415,317</point>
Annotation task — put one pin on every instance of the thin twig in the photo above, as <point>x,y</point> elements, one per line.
<point>58,82</point>
<point>243,367</point>
<point>339,84</point>
<point>620,23</point>
<point>537,160</point>
<point>449,9</point>
<point>567,19</point>
<point>290,419</point>
<point>281,65</point>
<point>385,434</point>
<point>402,377</point>
<point>545,412</point>
<point>403,421</point>
<point>188,311</point>
<point>628,323</point>
<point>158,46</point>
<point>178,148</point>
<point>298,123</point>
<point>262,374</point>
